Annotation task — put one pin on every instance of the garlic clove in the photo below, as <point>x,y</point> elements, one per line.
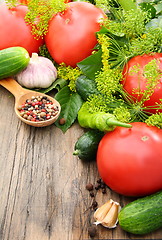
<point>111,218</point>
<point>101,212</point>
<point>107,214</point>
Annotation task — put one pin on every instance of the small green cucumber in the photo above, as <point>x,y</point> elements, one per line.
<point>12,61</point>
<point>86,87</point>
<point>143,215</point>
<point>86,146</point>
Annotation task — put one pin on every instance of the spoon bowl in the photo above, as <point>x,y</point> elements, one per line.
<point>21,95</point>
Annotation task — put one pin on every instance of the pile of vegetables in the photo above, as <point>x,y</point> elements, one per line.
<point>107,71</point>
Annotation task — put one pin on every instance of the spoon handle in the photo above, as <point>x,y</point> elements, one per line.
<point>12,85</point>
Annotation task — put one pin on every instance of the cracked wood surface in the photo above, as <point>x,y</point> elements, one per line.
<point>42,185</point>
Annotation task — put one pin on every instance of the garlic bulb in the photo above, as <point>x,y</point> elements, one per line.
<point>40,73</point>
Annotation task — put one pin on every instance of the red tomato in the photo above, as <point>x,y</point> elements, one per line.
<point>71,34</point>
<point>137,81</point>
<point>25,2</point>
<point>129,160</point>
<point>14,31</point>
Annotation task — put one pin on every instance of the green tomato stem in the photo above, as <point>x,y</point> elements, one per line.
<point>112,122</point>
<point>127,4</point>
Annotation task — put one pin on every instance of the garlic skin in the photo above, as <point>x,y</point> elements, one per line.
<point>40,73</point>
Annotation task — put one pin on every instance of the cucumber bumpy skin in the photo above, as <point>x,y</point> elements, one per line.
<point>143,215</point>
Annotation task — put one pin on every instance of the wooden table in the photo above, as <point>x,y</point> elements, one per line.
<point>42,185</point>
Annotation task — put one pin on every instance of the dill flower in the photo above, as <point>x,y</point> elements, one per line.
<point>122,114</point>
<point>134,22</point>
<point>152,75</point>
<point>108,81</point>
<point>43,51</point>
<point>103,40</point>
<point>155,120</point>
<point>69,73</point>
<point>40,12</point>
<point>150,41</point>
<point>96,103</point>
<point>103,4</point>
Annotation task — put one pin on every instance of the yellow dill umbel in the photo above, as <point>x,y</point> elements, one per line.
<point>69,73</point>
<point>155,120</point>
<point>103,40</point>
<point>41,12</point>
<point>122,114</point>
<point>152,75</point>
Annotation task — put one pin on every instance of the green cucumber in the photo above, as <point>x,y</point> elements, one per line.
<point>86,146</point>
<point>86,87</point>
<point>12,61</point>
<point>143,215</point>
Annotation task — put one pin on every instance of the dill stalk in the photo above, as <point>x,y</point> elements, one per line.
<point>127,4</point>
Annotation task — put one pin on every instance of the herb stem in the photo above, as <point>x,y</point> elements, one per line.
<point>127,4</point>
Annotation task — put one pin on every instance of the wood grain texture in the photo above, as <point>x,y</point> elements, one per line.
<point>42,185</point>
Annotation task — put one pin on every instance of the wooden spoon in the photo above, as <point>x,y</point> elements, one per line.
<point>21,95</point>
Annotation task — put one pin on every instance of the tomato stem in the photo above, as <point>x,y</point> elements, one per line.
<point>127,5</point>
<point>117,123</point>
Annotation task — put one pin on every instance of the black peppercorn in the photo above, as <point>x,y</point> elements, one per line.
<point>91,194</point>
<point>89,186</point>
<point>92,231</point>
<point>94,204</point>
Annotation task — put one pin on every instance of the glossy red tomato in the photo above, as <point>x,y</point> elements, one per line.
<point>71,34</point>
<point>25,2</point>
<point>14,31</point>
<point>129,160</point>
<point>136,82</point>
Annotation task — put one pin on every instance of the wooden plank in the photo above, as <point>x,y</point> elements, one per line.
<point>42,185</point>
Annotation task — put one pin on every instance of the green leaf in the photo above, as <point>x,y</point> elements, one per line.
<point>58,84</point>
<point>70,104</point>
<point>91,64</point>
<point>148,8</point>
<point>155,23</point>
<point>158,8</point>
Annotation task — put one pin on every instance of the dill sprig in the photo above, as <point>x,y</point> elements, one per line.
<point>155,120</point>
<point>149,41</point>
<point>130,36</point>
<point>130,23</point>
<point>103,4</point>
<point>122,114</point>
<point>11,3</point>
<point>134,22</point>
<point>107,79</point>
<point>112,97</point>
<point>43,51</point>
<point>70,74</point>
<point>40,13</point>
<point>152,75</point>
<point>96,103</point>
